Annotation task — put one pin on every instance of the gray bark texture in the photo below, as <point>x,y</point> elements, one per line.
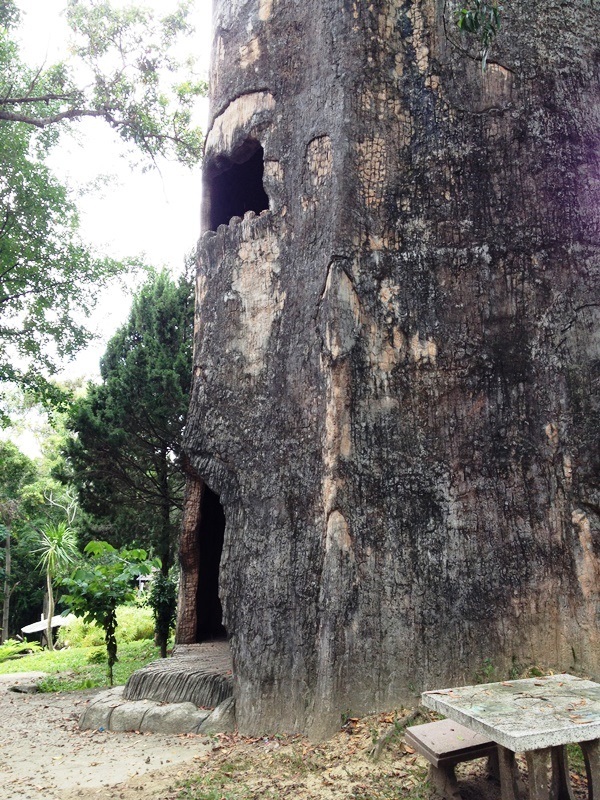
<point>5,632</point>
<point>396,365</point>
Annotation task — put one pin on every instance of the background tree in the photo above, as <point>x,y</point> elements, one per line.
<point>37,501</point>
<point>162,599</point>
<point>48,277</point>
<point>122,69</point>
<point>16,472</point>
<point>58,551</point>
<point>124,458</point>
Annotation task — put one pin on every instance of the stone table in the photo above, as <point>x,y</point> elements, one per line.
<point>537,716</point>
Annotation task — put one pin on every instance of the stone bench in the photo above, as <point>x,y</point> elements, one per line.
<point>445,744</point>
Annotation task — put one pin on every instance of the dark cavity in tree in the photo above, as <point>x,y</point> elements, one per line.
<point>210,543</point>
<point>236,185</point>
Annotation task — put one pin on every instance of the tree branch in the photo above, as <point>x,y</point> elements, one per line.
<point>72,113</point>
<point>45,98</point>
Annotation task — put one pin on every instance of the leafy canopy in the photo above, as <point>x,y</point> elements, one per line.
<point>48,277</point>
<point>17,471</point>
<point>125,456</point>
<point>124,69</point>
<point>481,18</point>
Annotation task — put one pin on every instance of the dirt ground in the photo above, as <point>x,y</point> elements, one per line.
<point>44,756</point>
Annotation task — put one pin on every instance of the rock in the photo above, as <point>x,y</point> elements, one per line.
<point>129,716</point>
<point>96,716</point>
<point>99,711</point>
<point>222,719</point>
<point>24,688</point>
<point>109,711</point>
<point>115,694</point>
<point>172,718</point>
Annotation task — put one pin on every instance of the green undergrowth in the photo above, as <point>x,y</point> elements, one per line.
<point>76,668</point>
<point>13,649</point>
<point>134,623</point>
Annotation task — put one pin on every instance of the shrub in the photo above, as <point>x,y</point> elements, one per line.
<point>14,649</point>
<point>135,624</point>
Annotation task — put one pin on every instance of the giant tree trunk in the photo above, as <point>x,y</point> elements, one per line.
<point>396,365</point>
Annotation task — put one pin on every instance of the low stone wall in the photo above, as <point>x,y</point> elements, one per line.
<point>110,711</point>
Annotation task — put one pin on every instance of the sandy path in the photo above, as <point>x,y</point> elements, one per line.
<point>44,755</point>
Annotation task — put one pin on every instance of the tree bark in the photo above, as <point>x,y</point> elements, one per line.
<point>397,364</point>
<point>189,560</point>
<point>4,634</point>
<point>49,636</point>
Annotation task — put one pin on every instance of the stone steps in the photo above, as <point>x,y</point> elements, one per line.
<point>110,711</point>
<point>191,692</point>
<point>199,674</point>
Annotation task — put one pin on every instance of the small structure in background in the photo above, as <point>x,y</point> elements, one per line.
<point>40,627</point>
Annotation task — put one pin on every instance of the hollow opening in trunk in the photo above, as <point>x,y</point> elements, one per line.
<point>210,543</point>
<point>238,185</point>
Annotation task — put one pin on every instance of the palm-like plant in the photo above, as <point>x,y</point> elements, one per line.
<point>58,549</point>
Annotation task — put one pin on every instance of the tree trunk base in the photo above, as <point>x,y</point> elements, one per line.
<point>199,674</point>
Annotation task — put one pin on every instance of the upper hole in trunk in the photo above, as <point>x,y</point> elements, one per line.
<point>238,185</point>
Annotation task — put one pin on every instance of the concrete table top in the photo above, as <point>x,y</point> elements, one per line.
<point>528,714</point>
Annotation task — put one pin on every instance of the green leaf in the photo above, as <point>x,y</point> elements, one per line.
<point>480,18</point>
<point>96,548</point>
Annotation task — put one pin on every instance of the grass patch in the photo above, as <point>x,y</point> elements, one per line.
<point>224,783</point>
<point>576,761</point>
<point>82,667</point>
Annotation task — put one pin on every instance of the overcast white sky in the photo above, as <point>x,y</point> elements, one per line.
<point>151,213</point>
